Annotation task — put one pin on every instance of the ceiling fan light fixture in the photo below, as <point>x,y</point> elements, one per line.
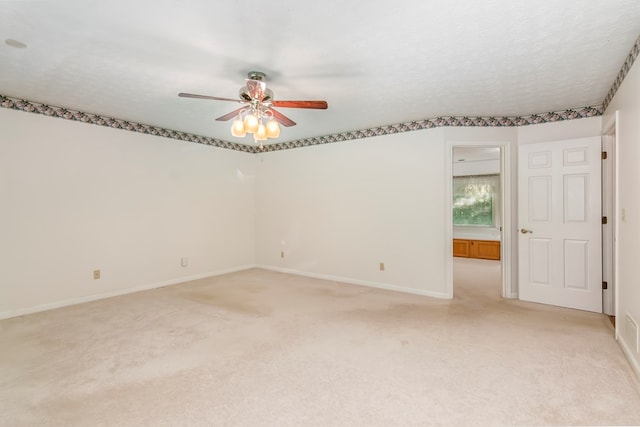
<point>258,108</point>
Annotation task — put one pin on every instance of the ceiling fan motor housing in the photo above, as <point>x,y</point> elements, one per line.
<point>248,94</point>
<point>256,88</point>
<point>256,75</point>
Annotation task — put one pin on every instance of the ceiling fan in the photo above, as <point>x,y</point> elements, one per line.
<point>257,107</point>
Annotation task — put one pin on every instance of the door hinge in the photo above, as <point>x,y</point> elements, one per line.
<point>604,155</point>
<point>605,285</point>
<point>604,219</point>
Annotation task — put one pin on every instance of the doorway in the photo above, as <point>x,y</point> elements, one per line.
<point>479,214</point>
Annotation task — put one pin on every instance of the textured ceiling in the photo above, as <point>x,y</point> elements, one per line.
<point>375,62</point>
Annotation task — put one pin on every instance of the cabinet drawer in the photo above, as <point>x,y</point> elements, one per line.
<point>484,249</point>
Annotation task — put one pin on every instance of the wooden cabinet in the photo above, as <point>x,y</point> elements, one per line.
<point>485,249</point>
<point>462,248</point>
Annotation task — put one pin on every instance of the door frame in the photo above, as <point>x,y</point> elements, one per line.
<point>610,143</point>
<point>506,258</point>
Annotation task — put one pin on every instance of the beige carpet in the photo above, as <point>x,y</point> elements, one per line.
<point>259,348</point>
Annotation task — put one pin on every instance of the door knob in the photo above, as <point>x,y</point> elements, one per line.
<point>525,231</point>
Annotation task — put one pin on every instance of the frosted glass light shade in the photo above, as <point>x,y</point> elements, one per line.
<point>251,123</point>
<point>273,129</point>
<point>237,128</point>
<point>261,133</point>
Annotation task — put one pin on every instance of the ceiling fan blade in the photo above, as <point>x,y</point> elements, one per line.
<point>230,115</point>
<point>215,98</point>
<point>319,105</point>
<point>281,118</point>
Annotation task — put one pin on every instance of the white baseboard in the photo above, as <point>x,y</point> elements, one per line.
<point>633,361</point>
<point>73,301</point>
<point>103,295</point>
<point>441,295</point>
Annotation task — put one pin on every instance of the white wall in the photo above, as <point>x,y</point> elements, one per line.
<point>558,131</point>
<point>78,197</point>
<point>338,210</point>
<point>627,102</point>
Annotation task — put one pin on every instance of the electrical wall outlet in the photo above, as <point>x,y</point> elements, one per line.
<point>281,254</point>
<point>382,266</point>
<point>96,274</point>
<point>184,261</point>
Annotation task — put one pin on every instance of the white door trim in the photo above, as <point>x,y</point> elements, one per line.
<point>506,258</point>
<point>608,198</point>
<point>610,127</point>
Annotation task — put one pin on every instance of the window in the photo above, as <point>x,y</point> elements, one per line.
<point>475,200</point>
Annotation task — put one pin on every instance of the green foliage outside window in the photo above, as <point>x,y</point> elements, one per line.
<point>474,199</point>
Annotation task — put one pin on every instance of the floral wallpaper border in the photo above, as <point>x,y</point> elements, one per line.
<point>63,113</point>
<point>48,110</point>
<point>556,116</point>
<point>569,114</point>
<point>628,63</point>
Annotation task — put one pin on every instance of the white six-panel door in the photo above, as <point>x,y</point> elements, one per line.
<point>559,243</point>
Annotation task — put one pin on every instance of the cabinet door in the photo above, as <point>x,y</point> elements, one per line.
<point>486,249</point>
<point>461,248</point>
